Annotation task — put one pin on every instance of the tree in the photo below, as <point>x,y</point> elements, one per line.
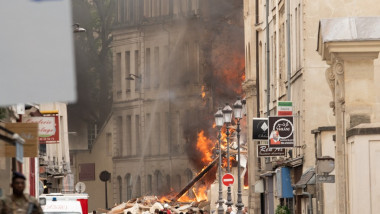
<point>93,60</point>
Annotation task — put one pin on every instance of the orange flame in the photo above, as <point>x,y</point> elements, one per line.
<point>200,194</point>
<point>203,92</point>
<point>205,146</point>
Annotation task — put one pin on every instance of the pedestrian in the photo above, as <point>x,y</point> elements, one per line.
<point>245,210</point>
<point>18,202</point>
<point>229,210</point>
<point>166,209</point>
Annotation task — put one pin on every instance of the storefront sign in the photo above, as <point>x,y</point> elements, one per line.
<point>29,132</point>
<point>325,178</point>
<point>281,131</point>
<point>284,108</point>
<point>260,129</point>
<point>48,131</point>
<point>266,151</point>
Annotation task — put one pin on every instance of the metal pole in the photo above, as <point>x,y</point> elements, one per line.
<point>220,201</point>
<point>268,58</point>
<point>288,51</point>
<point>106,195</point>
<point>229,199</point>
<point>239,204</point>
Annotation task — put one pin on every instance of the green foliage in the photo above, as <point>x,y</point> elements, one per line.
<point>93,59</point>
<point>3,113</point>
<point>282,210</point>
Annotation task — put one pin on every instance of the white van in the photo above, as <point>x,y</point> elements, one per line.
<point>64,207</point>
<point>64,203</point>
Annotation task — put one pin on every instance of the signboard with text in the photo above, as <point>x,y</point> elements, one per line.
<point>260,129</point>
<point>29,132</point>
<point>284,108</point>
<point>48,131</point>
<point>266,151</point>
<point>281,131</point>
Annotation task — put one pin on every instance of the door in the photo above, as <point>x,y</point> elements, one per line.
<point>374,155</point>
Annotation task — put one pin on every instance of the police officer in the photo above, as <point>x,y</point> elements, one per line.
<point>18,202</point>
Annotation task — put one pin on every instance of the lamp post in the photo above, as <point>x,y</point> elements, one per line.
<point>227,114</point>
<point>219,123</point>
<point>238,107</point>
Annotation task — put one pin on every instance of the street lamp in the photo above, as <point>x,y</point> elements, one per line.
<point>238,107</point>
<point>227,114</point>
<point>219,124</point>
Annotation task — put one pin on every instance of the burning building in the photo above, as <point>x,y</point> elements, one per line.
<point>174,62</point>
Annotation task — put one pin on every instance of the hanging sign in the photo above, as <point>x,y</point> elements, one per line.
<point>284,108</point>
<point>281,131</point>
<point>260,129</point>
<point>48,131</point>
<point>266,151</point>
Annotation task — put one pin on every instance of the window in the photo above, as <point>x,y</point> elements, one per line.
<point>119,181</point>
<point>178,181</point>
<point>137,69</point>
<point>147,68</point>
<point>148,135</point>
<point>120,13</point>
<point>92,131</point>
<point>158,132</point>
<point>168,184</point>
<point>129,134</point>
<point>128,184</point>
<point>87,172</point>
<point>109,143</point>
<point>157,66</point>
<point>189,177</point>
<point>118,75</point>
<point>138,143</point>
<point>149,184</point>
<point>130,11</point>
<point>128,70</point>
<point>120,135</point>
<point>158,183</point>
<point>138,187</point>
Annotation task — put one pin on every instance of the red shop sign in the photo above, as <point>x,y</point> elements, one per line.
<point>48,128</point>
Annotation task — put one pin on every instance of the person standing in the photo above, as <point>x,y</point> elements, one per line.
<point>166,209</point>
<point>18,202</point>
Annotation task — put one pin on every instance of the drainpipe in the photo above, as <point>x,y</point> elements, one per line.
<point>310,208</point>
<point>257,61</point>
<point>288,51</point>
<point>268,59</point>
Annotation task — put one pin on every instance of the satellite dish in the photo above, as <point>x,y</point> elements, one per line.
<point>41,188</point>
<point>80,187</point>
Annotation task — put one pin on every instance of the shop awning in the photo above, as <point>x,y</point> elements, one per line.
<point>307,178</point>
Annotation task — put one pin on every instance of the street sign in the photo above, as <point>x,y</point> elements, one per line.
<point>325,178</point>
<point>281,131</point>
<point>19,152</point>
<point>266,151</point>
<point>284,108</point>
<point>228,179</point>
<point>29,132</point>
<point>260,129</point>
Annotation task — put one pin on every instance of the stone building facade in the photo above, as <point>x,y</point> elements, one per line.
<point>296,73</point>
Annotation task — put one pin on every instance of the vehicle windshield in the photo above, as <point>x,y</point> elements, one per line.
<point>62,212</point>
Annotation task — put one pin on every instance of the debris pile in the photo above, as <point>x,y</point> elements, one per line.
<point>148,204</point>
